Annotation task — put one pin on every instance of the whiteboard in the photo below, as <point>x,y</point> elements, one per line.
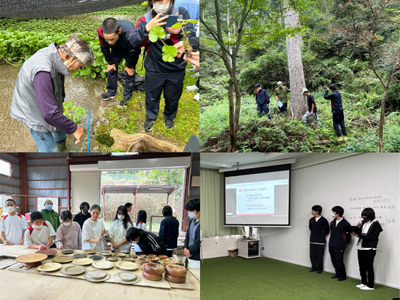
<point>356,182</point>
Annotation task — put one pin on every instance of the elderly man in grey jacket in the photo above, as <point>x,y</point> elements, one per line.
<point>39,93</point>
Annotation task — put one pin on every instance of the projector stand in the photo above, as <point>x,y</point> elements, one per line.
<point>249,248</point>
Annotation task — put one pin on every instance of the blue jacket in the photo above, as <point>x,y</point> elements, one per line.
<point>262,97</point>
<point>336,101</point>
<point>169,231</point>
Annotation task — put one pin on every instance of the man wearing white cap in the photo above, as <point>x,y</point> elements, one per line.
<point>281,95</point>
<point>312,108</point>
<point>39,93</point>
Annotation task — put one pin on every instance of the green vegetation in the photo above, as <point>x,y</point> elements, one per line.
<point>328,56</point>
<point>73,113</point>
<point>105,139</point>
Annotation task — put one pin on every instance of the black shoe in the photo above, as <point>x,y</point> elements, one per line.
<point>124,102</point>
<point>169,124</point>
<point>335,276</point>
<point>342,279</point>
<point>313,270</point>
<point>319,272</point>
<point>106,96</point>
<point>148,125</point>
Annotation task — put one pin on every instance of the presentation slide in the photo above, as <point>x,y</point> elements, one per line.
<point>257,197</point>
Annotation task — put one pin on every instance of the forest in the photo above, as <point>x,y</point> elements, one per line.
<point>354,44</point>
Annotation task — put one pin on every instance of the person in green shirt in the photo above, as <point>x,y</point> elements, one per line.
<point>50,215</point>
<point>281,95</point>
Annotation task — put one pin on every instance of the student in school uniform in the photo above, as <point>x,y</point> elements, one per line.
<point>118,229</point>
<point>162,77</point>
<point>366,247</point>
<point>12,226</point>
<point>262,101</point>
<point>319,228</point>
<point>83,215</point>
<point>169,230</point>
<point>148,242</point>
<point>338,242</point>
<point>192,240</point>
<point>40,235</point>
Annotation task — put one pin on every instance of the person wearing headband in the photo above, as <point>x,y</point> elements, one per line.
<point>39,93</point>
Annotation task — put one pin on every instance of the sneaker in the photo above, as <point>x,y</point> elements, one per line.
<point>192,88</point>
<point>366,288</point>
<point>340,139</point>
<point>106,96</point>
<point>197,97</point>
<point>196,75</point>
<point>169,124</point>
<point>148,125</point>
<point>313,270</point>
<point>345,138</point>
<point>360,285</point>
<point>124,102</point>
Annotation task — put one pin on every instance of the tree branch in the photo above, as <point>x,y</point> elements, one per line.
<point>206,50</point>
<point>215,36</point>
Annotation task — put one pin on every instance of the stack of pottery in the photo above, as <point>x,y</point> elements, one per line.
<point>152,271</point>
<point>175,273</point>
<point>143,260</point>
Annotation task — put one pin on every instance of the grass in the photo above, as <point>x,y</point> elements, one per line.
<point>269,279</point>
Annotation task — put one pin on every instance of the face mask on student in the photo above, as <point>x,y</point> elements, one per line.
<point>365,219</point>
<point>333,215</point>
<point>10,209</point>
<point>67,223</point>
<point>192,214</point>
<point>37,227</point>
<point>161,8</point>
<point>85,211</point>
<point>49,207</point>
<point>121,217</point>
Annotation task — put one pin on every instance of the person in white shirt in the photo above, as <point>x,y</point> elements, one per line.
<point>12,226</point>
<point>140,224</point>
<point>92,231</point>
<point>40,235</point>
<point>366,247</point>
<point>118,229</point>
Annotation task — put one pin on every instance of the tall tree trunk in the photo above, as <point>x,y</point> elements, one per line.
<point>296,74</point>
<point>382,120</point>
<point>232,125</point>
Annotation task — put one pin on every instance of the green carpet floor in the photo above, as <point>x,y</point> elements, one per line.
<point>269,279</point>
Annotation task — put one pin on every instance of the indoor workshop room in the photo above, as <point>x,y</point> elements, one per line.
<point>100,225</point>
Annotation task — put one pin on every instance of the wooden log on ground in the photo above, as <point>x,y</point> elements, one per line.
<point>140,142</point>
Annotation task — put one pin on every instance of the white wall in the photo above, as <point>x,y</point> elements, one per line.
<point>218,246</point>
<point>85,187</point>
<point>348,182</point>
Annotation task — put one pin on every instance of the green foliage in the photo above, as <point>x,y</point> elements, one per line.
<point>169,52</point>
<point>105,139</point>
<point>156,33</point>
<point>73,113</point>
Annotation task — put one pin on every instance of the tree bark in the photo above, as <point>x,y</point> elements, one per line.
<point>296,73</point>
<point>382,120</point>
<point>232,125</point>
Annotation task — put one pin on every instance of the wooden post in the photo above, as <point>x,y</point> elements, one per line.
<point>104,203</point>
<point>24,183</point>
<point>173,201</point>
<point>167,198</point>
<point>134,203</point>
<point>68,184</point>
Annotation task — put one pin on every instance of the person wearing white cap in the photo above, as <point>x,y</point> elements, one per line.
<point>312,108</point>
<point>39,93</point>
<point>281,95</point>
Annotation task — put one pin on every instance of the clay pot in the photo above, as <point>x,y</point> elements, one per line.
<point>151,255</point>
<point>168,262</point>
<point>154,269</point>
<point>152,276</point>
<point>154,258</point>
<point>163,256</point>
<point>142,261</point>
<point>175,270</point>
<point>142,256</point>
<point>175,279</point>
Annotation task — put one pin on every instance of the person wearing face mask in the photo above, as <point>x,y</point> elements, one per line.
<point>169,230</point>
<point>366,247</point>
<point>192,240</point>
<point>50,215</point>
<point>39,93</point>
<point>338,242</point>
<point>93,230</point>
<point>13,225</point>
<point>262,101</point>
<point>118,230</point>
<point>148,242</point>
<point>83,215</point>
<point>319,228</point>
<point>69,235</point>
<point>40,235</point>
<point>113,36</point>
<point>140,224</point>
<point>161,77</point>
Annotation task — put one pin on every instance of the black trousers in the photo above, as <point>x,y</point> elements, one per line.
<point>337,261</point>
<point>170,252</point>
<point>338,119</point>
<point>171,84</point>
<point>366,263</point>
<point>112,82</point>
<point>317,256</point>
<point>261,108</point>
<point>283,109</point>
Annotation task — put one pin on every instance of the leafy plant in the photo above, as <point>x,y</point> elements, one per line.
<point>169,52</point>
<point>105,139</point>
<point>73,113</point>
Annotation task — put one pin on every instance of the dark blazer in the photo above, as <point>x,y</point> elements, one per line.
<point>370,239</point>
<point>169,231</point>
<point>195,248</point>
<point>339,238</point>
<point>319,229</point>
